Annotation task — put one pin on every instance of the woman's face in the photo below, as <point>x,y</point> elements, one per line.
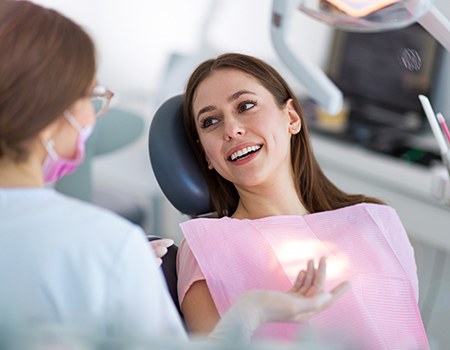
<point>65,135</point>
<point>244,133</point>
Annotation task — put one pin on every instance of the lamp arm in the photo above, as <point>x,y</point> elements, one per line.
<point>437,25</point>
<point>319,86</point>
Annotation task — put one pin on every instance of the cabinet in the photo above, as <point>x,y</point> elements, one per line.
<point>405,186</point>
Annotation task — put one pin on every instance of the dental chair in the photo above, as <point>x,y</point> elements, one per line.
<point>173,162</point>
<point>177,173</point>
<point>169,270</point>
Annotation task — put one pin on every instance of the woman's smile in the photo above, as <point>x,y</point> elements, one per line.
<point>243,153</point>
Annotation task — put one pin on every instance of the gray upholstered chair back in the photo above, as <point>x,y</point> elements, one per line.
<point>173,161</point>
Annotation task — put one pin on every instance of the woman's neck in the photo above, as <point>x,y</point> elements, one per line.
<point>26,174</point>
<point>270,202</point>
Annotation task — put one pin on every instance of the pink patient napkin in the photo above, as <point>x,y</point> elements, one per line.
<point>365,243</point>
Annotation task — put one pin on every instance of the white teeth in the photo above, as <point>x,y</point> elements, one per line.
<point>244,151</point>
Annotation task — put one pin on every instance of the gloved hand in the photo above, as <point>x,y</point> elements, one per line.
<point>305,299</point>
<point>160,246</point>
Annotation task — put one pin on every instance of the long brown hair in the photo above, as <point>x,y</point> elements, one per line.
<point>47,62</point>
<point>314,189</point>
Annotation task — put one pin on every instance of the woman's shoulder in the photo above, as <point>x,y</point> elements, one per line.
<point>357,215</point>
<point>36,202</point>
<point>206,222</point>
<point>86,221</point>
<point>360,208</point>
<point>99,232</point>
<point>86,210</point>
<point>373,208</point>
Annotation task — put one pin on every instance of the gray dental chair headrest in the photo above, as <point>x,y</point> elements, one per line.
<point>174,163</point>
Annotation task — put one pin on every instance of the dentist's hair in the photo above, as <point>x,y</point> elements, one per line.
<point>47,62</point>
<point>314,189</point>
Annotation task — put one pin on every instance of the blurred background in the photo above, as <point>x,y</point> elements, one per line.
<point>147,49</point>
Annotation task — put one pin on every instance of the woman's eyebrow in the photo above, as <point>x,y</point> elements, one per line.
<point>205,109</point>
<point>233,97</point>
<point>237,94</point>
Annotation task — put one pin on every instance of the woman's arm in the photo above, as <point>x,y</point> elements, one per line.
<point>200,312</point>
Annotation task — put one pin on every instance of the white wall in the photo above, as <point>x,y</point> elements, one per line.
<point>135,37</point>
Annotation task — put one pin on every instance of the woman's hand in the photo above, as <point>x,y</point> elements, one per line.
<point>310,284</point>
<point>311,281</point>
<point>304,300</point>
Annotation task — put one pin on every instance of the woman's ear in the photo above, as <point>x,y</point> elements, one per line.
<point>295,123</point>
<point>210,167</point>
<point>49,131</point>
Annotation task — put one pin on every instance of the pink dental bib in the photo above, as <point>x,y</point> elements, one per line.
<point>365,243</point>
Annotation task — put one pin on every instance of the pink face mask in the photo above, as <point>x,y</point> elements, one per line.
<point>55,167</point>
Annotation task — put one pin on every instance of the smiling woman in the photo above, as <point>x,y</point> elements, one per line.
<point>243,126</point>
<point>250,139</point>
<point>225,93</point>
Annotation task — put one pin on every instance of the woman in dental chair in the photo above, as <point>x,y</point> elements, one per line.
<point>276,209</point>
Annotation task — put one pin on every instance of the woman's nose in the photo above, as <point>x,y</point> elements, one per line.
<point>232,128</point>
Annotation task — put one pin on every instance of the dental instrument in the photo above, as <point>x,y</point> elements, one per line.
<point>444,126</point>
<point>438,135</point>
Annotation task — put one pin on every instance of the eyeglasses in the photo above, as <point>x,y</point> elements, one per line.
<point>101,97</point>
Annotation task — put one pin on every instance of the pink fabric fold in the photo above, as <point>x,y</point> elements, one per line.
<point>365,243</point>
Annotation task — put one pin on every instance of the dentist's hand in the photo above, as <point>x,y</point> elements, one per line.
<point>160,246</point>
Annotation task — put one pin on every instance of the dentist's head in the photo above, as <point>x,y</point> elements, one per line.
<point>47,82</point>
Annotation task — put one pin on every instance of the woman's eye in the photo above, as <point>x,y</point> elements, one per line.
<point>246,106</point>
<point>207,122</point>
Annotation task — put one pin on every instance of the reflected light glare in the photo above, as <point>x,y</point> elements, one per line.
<point>294,255</point>
<point>366,15</point>
<point>360,8</point>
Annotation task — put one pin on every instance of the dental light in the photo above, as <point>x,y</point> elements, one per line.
<point>351,15</point>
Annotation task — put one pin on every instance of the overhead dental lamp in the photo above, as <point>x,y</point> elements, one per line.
<point>350,15</point>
